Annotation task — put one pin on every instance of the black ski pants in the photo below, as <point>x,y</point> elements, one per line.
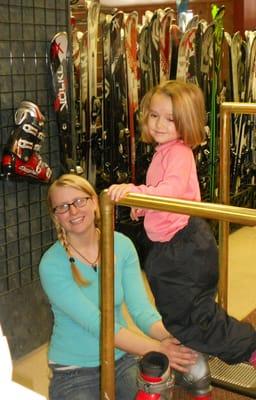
<point>183,276</point>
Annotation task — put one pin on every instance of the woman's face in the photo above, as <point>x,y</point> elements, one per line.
<point>79,209</point>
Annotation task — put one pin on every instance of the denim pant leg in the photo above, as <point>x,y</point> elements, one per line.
<point>126,373</point>
<point>84,383</point>
<point>77,384</point>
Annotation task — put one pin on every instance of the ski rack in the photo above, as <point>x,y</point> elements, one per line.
<point>89,128</point>
<point>223,375</point>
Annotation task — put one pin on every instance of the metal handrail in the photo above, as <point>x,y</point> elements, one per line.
<point>223,212</point>
<point>207,210</point>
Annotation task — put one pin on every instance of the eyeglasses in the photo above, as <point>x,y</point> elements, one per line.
<point>78,203</point>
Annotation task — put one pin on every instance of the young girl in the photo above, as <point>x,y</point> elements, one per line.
<point>69,272</point>
<point>182,263</point>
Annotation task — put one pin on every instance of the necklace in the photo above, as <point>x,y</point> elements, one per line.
<point>92,263</point>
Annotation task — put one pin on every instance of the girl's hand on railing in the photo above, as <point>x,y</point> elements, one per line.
<point>116,192</point>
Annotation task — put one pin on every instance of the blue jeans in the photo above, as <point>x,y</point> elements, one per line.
<point>84,383</point>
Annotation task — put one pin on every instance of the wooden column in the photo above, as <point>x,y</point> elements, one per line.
<point>244,15</point>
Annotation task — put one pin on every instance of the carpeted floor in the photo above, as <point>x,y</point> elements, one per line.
<point>218,393</point>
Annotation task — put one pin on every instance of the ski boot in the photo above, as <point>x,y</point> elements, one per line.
<point>21,153</point>
<point>155,380</point>
<point>197,381</point>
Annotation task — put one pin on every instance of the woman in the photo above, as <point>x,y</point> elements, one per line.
<point>69,272</point>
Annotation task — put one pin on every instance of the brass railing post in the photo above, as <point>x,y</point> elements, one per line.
<point>107,299</point>
<point>224,190</point>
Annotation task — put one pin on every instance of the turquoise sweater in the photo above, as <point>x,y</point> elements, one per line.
<point>76,332</point>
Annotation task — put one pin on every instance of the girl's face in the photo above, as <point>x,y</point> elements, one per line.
<point>160,119</point>
<point>79,209</point>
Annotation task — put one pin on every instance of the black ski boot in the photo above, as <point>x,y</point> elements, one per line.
<point>197,381</point>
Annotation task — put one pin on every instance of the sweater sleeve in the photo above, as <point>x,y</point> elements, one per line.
<point>66,296</point>
<point>142,311</point>
<point>175,171</point>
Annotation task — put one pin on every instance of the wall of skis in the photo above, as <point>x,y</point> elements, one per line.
<point>118,56</point>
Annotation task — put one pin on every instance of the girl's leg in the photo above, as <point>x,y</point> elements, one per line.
<point>179,272</point>
<point>183,275</point>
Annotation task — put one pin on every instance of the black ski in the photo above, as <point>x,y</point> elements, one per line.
<point>58,66</point>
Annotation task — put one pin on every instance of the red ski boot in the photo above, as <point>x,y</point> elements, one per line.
<point>155,380</point>
<point>21,154</point>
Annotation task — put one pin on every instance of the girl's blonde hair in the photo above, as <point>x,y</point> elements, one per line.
<point>79,183</point>
<point>188,111</point>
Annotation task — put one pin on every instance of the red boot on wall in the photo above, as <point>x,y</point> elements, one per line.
<point>21,154</point>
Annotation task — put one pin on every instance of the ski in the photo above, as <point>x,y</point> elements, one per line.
<point>117,142</point>
<point>144,57</point>
<point>236,43</point>
<point>144,151</point>
<point>206,64</point>
<point>94,101</point>
<point>239,120</point>
<point>218,14</point>
<point>164,44</point>
<point>244,168</point>
<point>182,8</point>
<point>186,62</point>
<point>83,103</point>
<point>154,31</point>
<point>78,82</point>
<point>131,40</point>
<point>200,29</point>
<point>122,160</point>
<point>175,38</point>
<point>204,75</point>
<point>192,23</point>
<point>58,67</point>
<point>106,172</point>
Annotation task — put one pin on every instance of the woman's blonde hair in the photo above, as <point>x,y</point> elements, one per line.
<point>79,183</point>
<point>188,111</point>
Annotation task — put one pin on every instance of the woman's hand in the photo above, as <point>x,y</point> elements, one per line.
<point>116,192</point>
<point>180,357</point>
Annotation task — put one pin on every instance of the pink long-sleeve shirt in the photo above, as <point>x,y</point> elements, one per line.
<point>172,173</point>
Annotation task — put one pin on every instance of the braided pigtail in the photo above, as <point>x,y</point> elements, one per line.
<point>78,277</point>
